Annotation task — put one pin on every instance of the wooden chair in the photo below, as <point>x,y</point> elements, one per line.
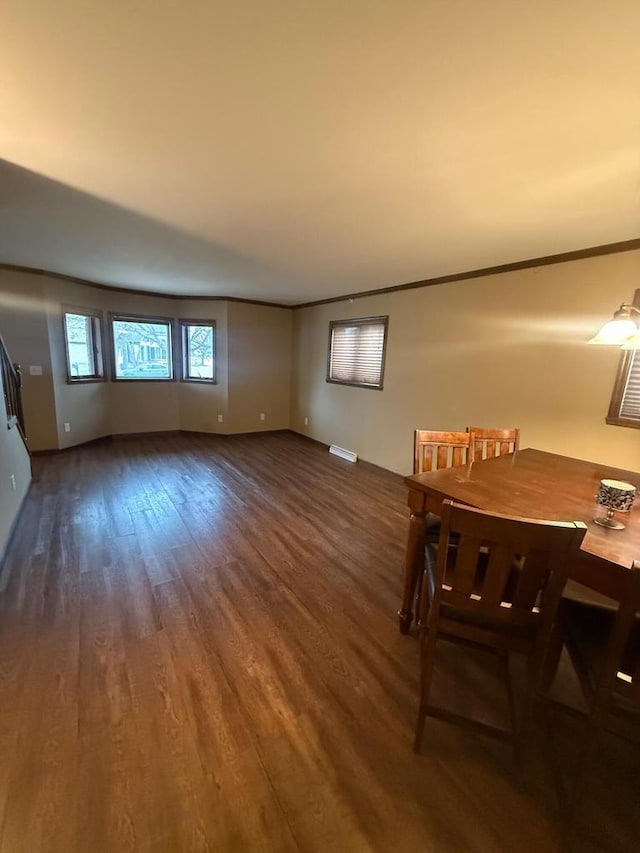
<point>433,450</point>
<point>498,590</point>
<point>485,443</point>
<point>604,647</point>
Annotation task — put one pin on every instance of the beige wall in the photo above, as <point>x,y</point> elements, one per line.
<point>259,367</point>
<point>503,350</point>
<point>106,408</point>
<point>200,405</point>
<point>14,460</point>
<point>84,407</point>
<point>258,338</point>
<point>23,326</point>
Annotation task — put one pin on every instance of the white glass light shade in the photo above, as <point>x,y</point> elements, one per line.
<point>615,332</point>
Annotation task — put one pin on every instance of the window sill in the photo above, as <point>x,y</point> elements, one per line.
<point>139,380</point>
<point>354,384</point>
<point>624,422</point>
<point>84,380</point>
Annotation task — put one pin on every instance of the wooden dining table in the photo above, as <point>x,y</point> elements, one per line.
<point>529,484</point>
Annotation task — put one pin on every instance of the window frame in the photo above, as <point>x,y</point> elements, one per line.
<point>383,321</point>
<point>142,318</point>
<point>625,366</point>
<point>97,344</point>
<point>184,351</point>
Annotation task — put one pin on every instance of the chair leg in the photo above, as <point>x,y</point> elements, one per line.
<point>427,657</point>
<point>530,694</point>
<point>583,764</point>
<point>420,592</point>
<point>426,581</point>
<point>513,713</point>
<point>554,652</point>
<point>536,674</point>
<point>414,564</point>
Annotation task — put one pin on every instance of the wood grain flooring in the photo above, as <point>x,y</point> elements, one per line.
<point>199,652</point>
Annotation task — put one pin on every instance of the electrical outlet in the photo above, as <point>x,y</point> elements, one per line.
<point>306,421</point>
<point>12,479</point>
<point>220,419</point>
<point>67,427</point>
<point>261,416</point>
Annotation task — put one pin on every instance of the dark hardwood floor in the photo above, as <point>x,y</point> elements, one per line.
<point>199,651</point>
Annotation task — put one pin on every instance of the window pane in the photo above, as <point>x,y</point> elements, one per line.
<point>199,352</point>
<point>142,350</point>
<point>80,348</point>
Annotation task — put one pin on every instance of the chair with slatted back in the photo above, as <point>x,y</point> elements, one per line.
<point>433,449</point>
<point>497,590</point>
<point>604,647</point>
<point>486,443</point>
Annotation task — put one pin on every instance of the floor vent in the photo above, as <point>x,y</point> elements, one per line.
<point>349,455</point>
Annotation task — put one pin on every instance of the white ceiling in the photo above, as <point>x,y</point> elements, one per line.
<point>292,150</point>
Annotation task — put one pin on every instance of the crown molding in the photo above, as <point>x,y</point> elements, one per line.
<point>545,260</point>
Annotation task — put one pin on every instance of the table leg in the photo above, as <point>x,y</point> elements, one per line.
<point>414,561</point>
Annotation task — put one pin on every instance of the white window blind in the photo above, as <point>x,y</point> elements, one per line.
<point>356,351</point>
<point>630,403</point>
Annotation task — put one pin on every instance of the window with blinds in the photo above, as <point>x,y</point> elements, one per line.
<point>357,351</point>
<point>624,409</point>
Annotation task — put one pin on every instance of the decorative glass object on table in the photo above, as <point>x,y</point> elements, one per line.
<point>616,496</point>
